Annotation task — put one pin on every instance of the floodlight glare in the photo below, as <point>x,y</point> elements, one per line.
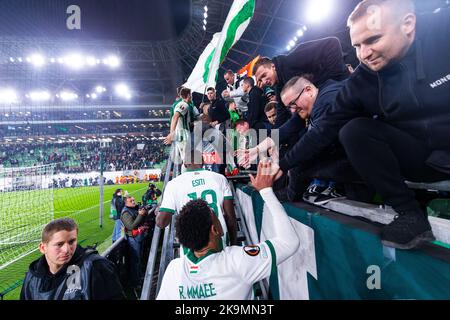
<point>288,48</point>
<point>100,89</point>
<point>74,61</point>
<point>292,43</point>
<point>91,61</point>
<point>94,96</point>
<point>8,96</point>
<point>122,90</point>
<point>205,22</point>
<point>40,95</point>
<point>19,59</point>
<point>206,8</point>
<point>318,10</point>
<point>300,33</point>
<point>37,60</point>
<point>113,61</point>
<point>204,27</point>
<point>68,96</point>
<point>205,15</point>
<point>11,59</point>
<point>305,28</point>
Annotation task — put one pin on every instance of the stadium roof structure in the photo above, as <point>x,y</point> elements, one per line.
<point>154,68</point>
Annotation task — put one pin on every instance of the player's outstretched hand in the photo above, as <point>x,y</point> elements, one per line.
<point>265,176</point>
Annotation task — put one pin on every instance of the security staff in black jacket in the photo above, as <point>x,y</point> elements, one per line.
<point>66,271</point>
<point>393,115</point>
<point>322,58</point>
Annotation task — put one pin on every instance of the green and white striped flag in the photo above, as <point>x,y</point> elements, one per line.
<point>206,70</point>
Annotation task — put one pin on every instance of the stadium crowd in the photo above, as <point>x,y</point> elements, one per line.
<point>85,157</point>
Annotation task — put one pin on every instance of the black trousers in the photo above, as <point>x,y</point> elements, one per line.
<point>385,157</point>
<point>331,165</point>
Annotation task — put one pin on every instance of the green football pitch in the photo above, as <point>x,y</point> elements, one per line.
<point>81,204</point>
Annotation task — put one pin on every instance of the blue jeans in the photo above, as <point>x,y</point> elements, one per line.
<point>135,247</point>
<point>117,230</point>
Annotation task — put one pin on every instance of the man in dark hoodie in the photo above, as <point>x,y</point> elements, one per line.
<point>256,117</point>
<point>66,271</point>
<point>322,58</point>
<point>392,116</point>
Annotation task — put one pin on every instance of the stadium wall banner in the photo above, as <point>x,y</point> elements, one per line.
<point>337,260</point>
<point>120,177</point>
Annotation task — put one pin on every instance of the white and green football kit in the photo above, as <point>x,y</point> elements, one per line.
<point>230,273</point>
<point>181,129</point>
<point>198,184</point>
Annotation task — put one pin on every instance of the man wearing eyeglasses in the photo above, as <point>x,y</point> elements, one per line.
<point>306,101</point>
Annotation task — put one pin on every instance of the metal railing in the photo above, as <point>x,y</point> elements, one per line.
<point>148,284</point>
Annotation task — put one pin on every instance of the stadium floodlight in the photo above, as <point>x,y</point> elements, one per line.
<point>295,39</point>
<point>204,27</point>
<point>52,60</point>
<point>100,89</point>
<point>39,95</point>
<point>88,95</point>
<point>288,48</point>
<point>112,61</point>
<point>68,96</point>
<point>123,91</point>
<point>19,59</point>
<point>11,59</point>
<point>94,96</point>
<point>91,61</point>
<point>74,61</point>
<point>300,33</point>
<point>205,22</point>
<point>318,10</point>
<point>206,8</point>
<point>305,28</point>
<point>205,15</point>
<point>37,60</point>
<point>292,43</point>
<point>60,60</point>
<point>8,96</point>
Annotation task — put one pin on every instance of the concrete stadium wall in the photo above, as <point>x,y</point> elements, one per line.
<point>342,258</point>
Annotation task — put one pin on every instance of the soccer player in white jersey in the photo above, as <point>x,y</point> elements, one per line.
<point>197,183</point>
<point>180,124</point>
<point>206,272</point>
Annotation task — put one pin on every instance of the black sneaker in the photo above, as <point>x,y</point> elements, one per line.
<point>408,230</point>
<point>313,192</point>
<point>328,194</point>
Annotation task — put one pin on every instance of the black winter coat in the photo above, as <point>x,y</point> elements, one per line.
<point>98,279</point>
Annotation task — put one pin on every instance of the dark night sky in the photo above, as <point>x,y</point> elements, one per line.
<point>100,19</point>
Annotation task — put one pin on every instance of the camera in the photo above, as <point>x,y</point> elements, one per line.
<point>146,207</point>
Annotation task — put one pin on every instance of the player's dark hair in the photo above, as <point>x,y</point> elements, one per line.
<point>193,224</point>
